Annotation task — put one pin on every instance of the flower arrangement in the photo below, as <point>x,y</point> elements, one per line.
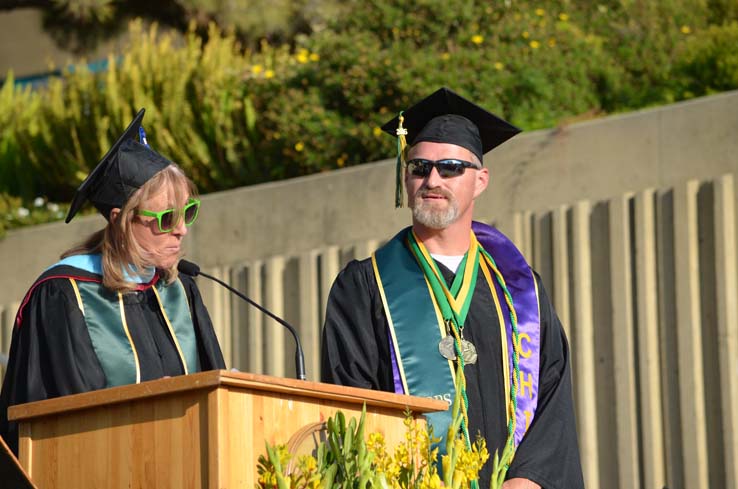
<point>348,459</point>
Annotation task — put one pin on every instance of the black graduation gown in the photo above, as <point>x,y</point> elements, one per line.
<point>51,353</point>
<point>355,352</point>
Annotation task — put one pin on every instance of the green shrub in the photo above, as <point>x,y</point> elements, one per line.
<point>708,62</point>
<point>197,113</point>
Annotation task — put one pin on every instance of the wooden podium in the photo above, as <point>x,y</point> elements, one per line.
<point>204,430</point>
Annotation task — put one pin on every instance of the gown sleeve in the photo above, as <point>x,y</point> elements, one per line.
<point>355,345</point>
<point>211,356</point>
<point>549,453</point>
<point>51,353</point>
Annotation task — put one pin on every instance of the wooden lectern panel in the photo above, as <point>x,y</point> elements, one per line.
<point>199,431</point>
<point>157,443</point>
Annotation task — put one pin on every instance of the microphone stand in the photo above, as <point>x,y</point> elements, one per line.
<point>299,355</point>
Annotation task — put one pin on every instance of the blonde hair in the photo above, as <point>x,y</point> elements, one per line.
<point>116,242</point>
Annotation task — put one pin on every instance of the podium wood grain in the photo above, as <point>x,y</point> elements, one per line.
<point>204,430</point>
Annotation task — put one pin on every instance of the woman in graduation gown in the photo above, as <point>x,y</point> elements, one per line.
<point>114,311</point>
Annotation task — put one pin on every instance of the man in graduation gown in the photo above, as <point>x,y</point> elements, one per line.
<point>449,293</point>
<point>73,333</point>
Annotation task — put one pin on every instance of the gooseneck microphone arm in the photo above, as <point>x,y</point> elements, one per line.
<point>189,268</point>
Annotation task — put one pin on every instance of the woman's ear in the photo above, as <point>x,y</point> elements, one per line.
<point>114,213</point>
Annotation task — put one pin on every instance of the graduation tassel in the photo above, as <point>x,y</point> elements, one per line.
<point>399,177</point>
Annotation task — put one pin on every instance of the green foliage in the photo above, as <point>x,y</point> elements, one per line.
<point>198,114</point>
<point>351,459</point>
<point>233,116</point>
<point>708,62</point>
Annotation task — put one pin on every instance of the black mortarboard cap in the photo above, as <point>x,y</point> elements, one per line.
<point>123,170</point>
<point>447,117</point>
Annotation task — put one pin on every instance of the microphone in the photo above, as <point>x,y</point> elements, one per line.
<point>189,268</point>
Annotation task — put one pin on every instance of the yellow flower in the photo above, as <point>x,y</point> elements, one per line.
<point>302,57</point>
<point>445,56</point>
<point>269,74</point>
<point>299,146</point>
<point>377,131</point>
<point>686,29</point>
<point>535,44</point>
<point>526,34</point>
<point>256,69</point>
<point>563,17</point>
<point>283,452</point>
<point>401,455</point>
<point>434,482</point>
<point>375,443</point>
<point>307,463</point>
<point>540,12</point>
<point>499,66</point>
<point>477,39</point>
<point>314,56</point>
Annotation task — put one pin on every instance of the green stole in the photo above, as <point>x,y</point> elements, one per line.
<point>105,317</point>
<point>401,283</point>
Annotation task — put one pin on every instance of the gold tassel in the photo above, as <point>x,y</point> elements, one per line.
<point>400,166</point>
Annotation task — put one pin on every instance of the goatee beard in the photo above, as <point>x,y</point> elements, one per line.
<point>425,212</point>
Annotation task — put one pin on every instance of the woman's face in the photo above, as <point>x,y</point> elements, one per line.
<point>161,250</point>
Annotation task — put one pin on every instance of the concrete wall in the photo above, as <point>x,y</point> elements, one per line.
<point>631,221</point>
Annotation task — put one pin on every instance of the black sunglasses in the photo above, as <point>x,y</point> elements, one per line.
<point>420,167</point>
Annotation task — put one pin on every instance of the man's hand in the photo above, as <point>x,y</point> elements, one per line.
<point>518,483</point>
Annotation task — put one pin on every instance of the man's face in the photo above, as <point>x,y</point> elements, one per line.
<point>438,202</point>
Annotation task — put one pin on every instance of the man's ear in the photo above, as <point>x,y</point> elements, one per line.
<point>481,181</point>
<point>114,213</point>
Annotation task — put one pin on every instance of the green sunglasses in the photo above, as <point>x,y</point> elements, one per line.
<point>165,218</point>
